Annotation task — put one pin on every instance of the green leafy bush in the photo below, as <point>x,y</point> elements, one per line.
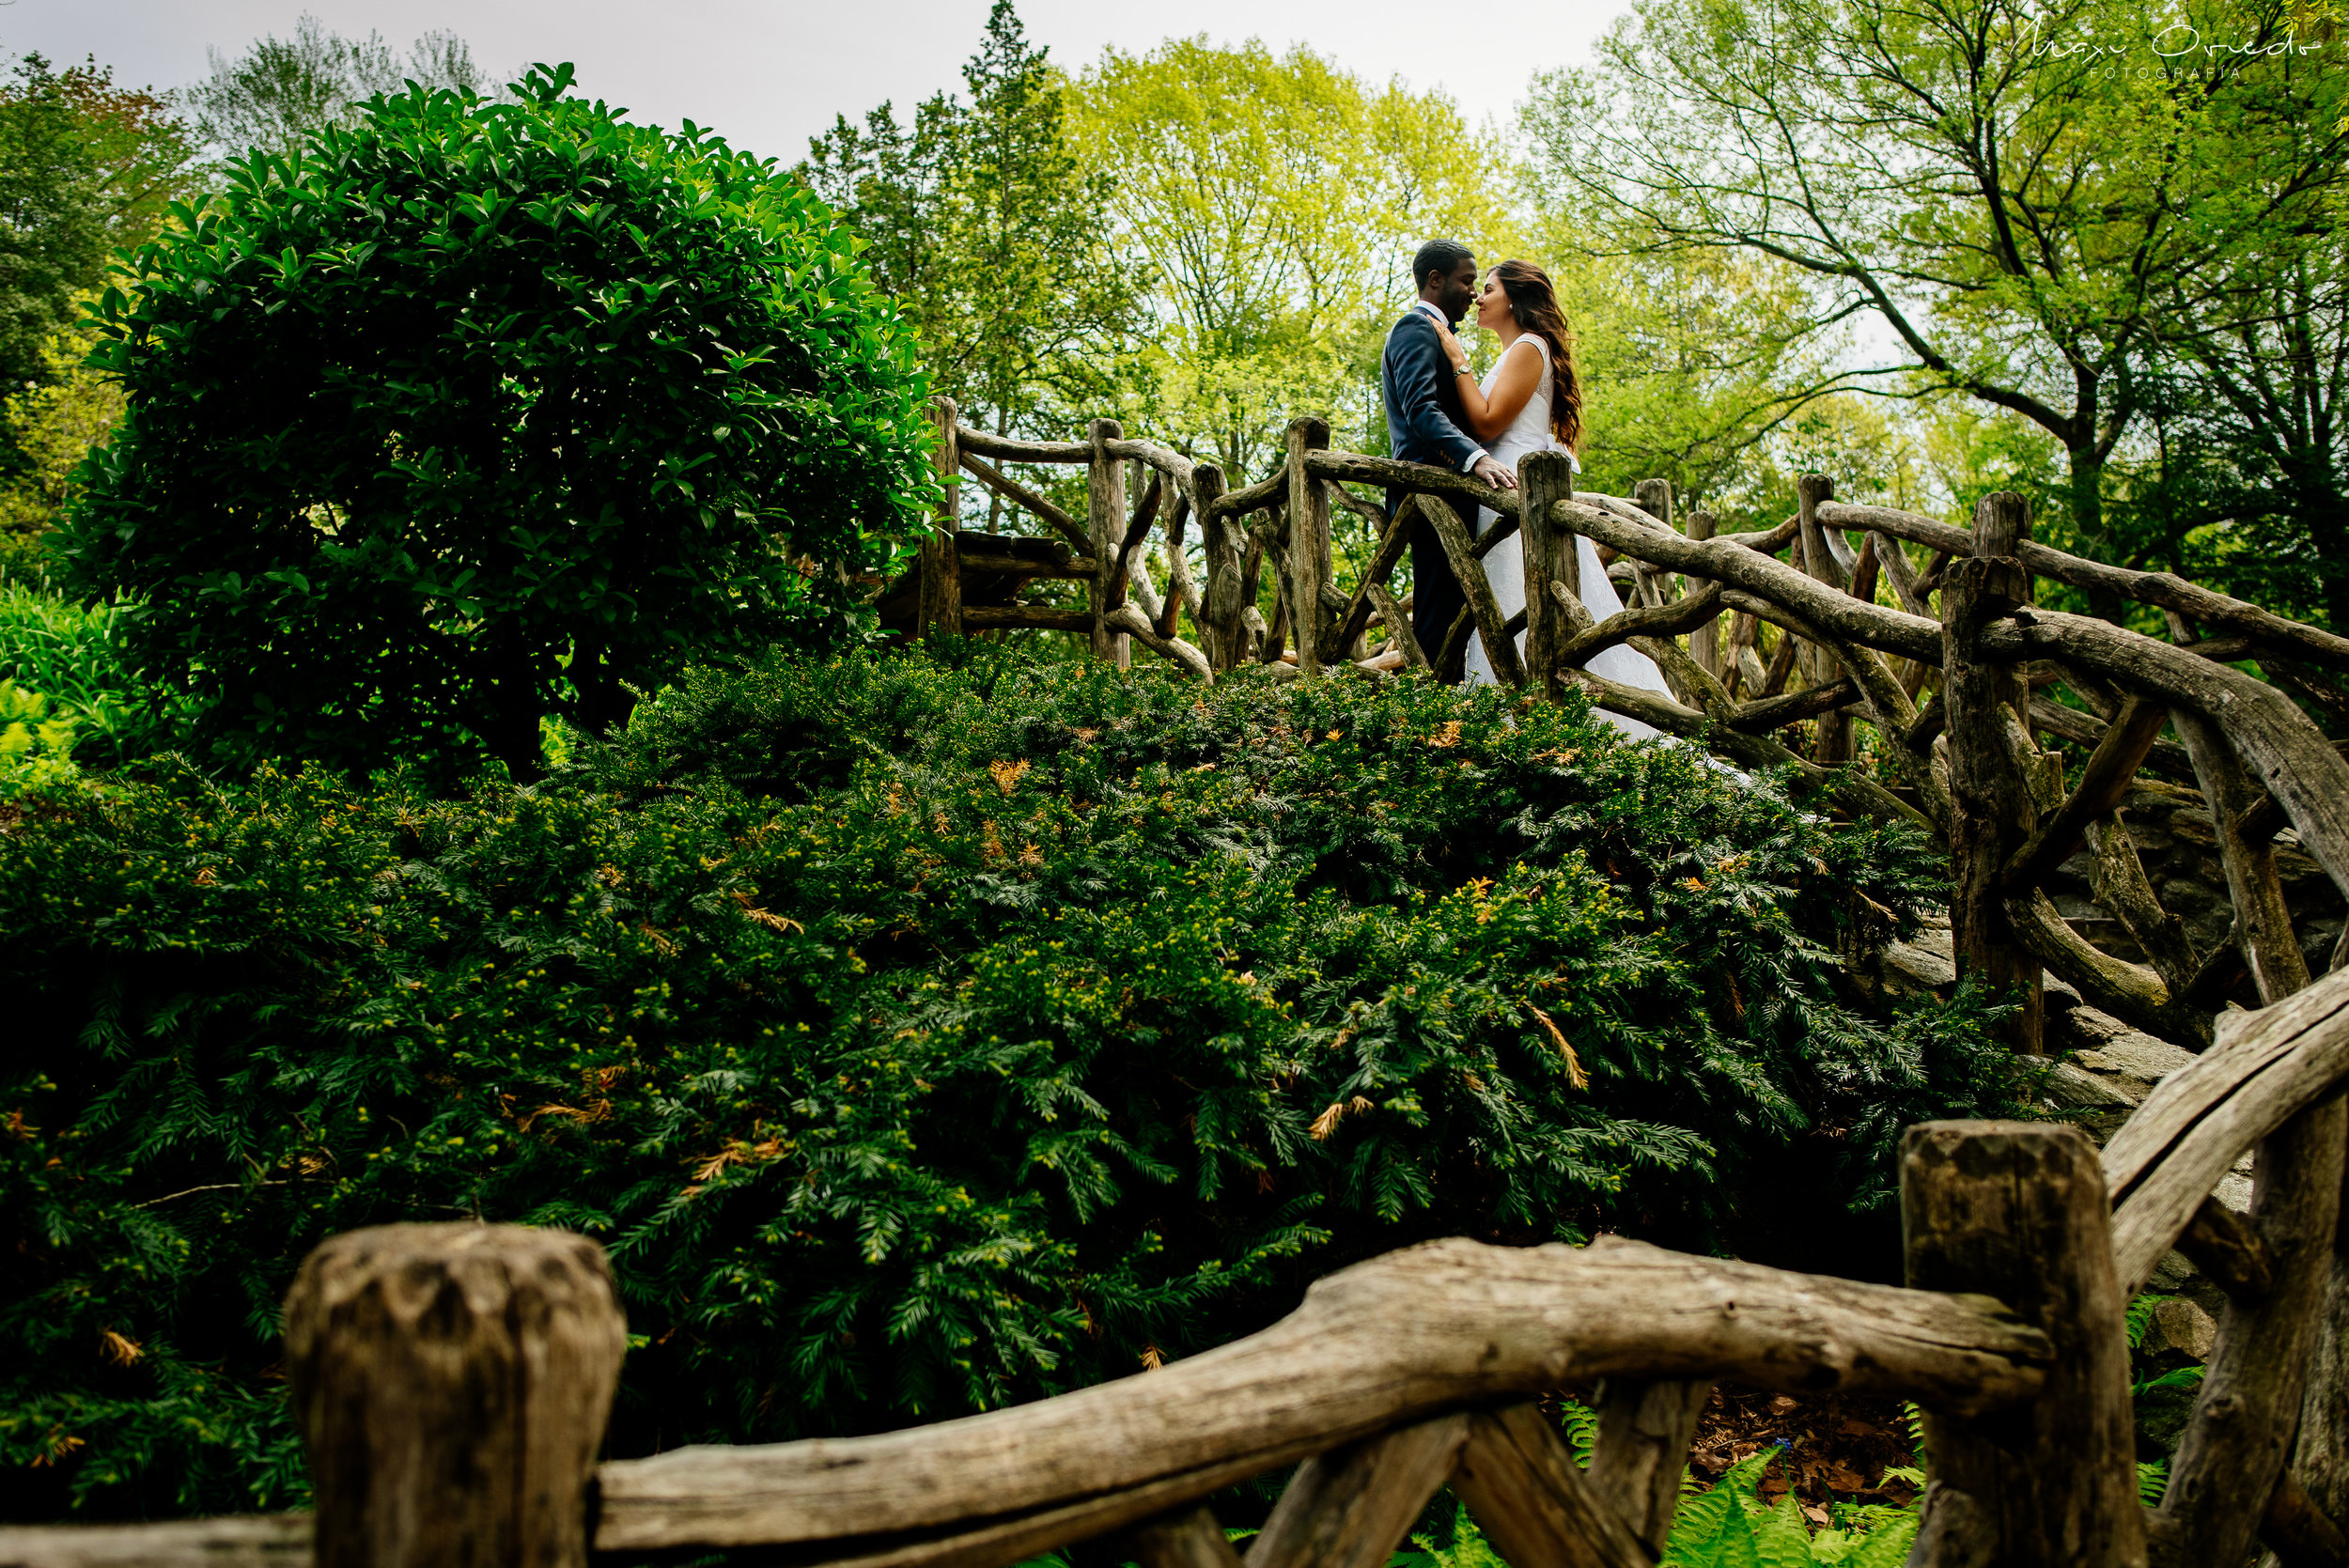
<point>73,656</point>
<point>918,1036</point>
<point>486,410</point>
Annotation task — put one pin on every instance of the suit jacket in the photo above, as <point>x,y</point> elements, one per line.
<point>1422,394</point>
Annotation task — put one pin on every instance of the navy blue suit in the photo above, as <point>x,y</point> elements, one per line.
<point>1423,425</point>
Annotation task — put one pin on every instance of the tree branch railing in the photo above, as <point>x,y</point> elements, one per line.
<point>453,1382</point>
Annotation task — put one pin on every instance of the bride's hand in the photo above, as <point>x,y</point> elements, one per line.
<point>1453,349</point>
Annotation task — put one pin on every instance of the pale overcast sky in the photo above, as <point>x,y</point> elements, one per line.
<point>767,74</point>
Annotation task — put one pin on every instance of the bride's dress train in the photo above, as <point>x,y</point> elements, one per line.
<point>1505,568</point>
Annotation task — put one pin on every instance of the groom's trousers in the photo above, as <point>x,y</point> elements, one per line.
<point>1435,596</point>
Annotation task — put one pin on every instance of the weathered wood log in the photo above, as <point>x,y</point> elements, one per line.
<point>2299,1532</point>
<point>1223,542</point>
<point>1860,797</point>
<point>2087,730</point>
<point>1351,1507</point>
<point>1501,649</point>
<point>1768,541</point>
<point>255,1541</point>
<point>1523,1487</point>
<point>1894,563</point>
<point>1036,617</point>
<point>1760,718</point>
<point>1831,743</point>
<point>1645,1428</point>
<point>2120,884</point>
<point>1394,538</point>
<point>2262,918</point>
<point>2240,1435</point>
<point>1181,592</point>
<point>452,1382</point>
<point>1129,619</point>
<point>2019,1208</point>
<point>1309,543</point>
<point>2131,992</point>
<point>2228,1248</point>
<point>1395,1339</point>
<point>2104,779</point>
<point>2283,748</point>
<point>1461,489</point>
<point>1105,525</point>
<point>2265,1068</point>
<point>1542,479</point>
<point>2160,589</point>
<point>1993,812</point>
<point>1138,526</point>
<point>1782,665</point>
<point>1269,488</point>
<point>941,568</point>
<point>1704,641</point>
<point>1019,494</point>
<point>1399,633</point>
<point>1010,449</point>
<point>1669,620</point>
<point>1186,1537</point>
<point>1174,465</point>
<point>979,560</point>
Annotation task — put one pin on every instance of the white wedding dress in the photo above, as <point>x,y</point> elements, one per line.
<point>1505,568</point>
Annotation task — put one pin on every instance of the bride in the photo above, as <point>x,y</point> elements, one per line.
<point>1529,402</point>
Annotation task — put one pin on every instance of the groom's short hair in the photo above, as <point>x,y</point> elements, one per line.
<point>1437,255</point>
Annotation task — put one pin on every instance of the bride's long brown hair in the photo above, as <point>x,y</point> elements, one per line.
<point>1533,303</point>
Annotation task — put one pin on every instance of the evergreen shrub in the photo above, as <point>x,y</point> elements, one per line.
<point>918,1035</point>
<point>485,409</point>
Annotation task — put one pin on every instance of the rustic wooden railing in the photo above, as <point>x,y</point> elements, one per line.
<point>452,1383</point>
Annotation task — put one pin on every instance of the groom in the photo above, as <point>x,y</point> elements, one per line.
<point>1423,422</point>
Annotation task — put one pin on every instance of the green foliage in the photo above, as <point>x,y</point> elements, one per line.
<point>48,428</point>
<point>84,166</point>
<point>918,1036</point>
<point>36,747</point>
<point>72,655</point>
<point>1731,1527</point>
<point>553,401</point>
<point>988,231</point>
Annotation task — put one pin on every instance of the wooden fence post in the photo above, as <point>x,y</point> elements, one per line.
<point>1309,543</point>
<point>452,1382</point>
<point>1831,743</point>
<point>1219,543</point>
<point>2017,1210</point>
<point>1654,498</point>
<point>1705,643</point>
<point>1992,813</point>
<point>942,568</point>
<point>1545,478</point>
<point>1105,509</point>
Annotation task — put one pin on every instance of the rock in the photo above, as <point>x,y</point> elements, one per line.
<point>2183,1326</point>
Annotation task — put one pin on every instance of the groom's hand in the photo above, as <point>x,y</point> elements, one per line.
<point>1494,475</point>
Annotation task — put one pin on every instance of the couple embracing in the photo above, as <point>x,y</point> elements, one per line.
<point>1438,412</point>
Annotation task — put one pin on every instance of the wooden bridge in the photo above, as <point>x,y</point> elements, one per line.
<point>453,1381</point>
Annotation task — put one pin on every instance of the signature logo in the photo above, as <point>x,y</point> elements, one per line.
<point>2179,40</point>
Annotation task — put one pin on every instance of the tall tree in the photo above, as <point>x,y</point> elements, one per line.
<point>281,89</point>
<point>86,167</point>
<point>1275,201</point>
<point>988,230</point>
<point>2012,192</point>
